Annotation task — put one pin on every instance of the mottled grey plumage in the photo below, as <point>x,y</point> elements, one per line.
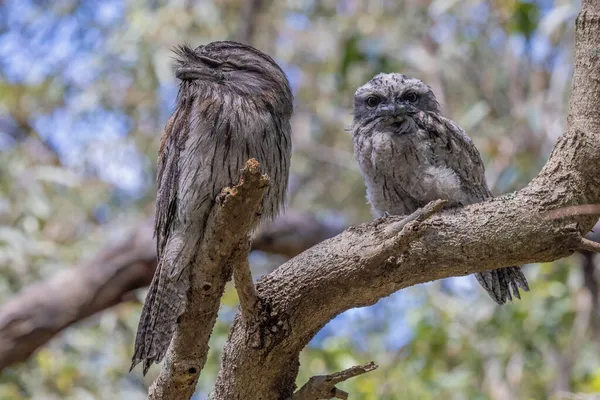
<point>234,103</point>
<point>409,155</point>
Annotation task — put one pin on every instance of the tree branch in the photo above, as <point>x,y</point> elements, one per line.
<point>117,271</point>
<point>229,224</point>
<point>353,269</point>
<point>249,301</point>
<point>362,264</point>
<point>112,277</point>
<point>243,282</point>
<point>36,314</point>
<point>323,386</point>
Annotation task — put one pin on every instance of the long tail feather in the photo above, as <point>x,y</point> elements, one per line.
<point>164,303</point>
<point>500,282</point>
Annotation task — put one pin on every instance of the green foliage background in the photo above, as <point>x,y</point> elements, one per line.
<point>501,69</point>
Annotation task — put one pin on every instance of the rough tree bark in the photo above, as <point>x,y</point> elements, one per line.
<point>356,268</point>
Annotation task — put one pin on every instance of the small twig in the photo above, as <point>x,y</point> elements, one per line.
<point>589,245</point>
<point>242,277</point>
<point>323,386</point>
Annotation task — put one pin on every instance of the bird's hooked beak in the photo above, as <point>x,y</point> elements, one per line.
<point>394,110</point>
<point>396,117</point>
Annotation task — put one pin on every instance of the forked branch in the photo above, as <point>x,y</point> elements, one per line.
<point>229,224</point>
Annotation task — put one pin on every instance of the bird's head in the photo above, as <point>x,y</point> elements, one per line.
<point>389,102</point>
<point>237,67</point>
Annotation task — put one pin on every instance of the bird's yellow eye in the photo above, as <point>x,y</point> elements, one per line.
<point>411,97</point>
<point>372,101</point>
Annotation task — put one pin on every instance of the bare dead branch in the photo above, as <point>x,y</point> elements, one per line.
<point>323,386</point>
<point>365,263</point>
<point>229,224</point>
<point>318,280</point>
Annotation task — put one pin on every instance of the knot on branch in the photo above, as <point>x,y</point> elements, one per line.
<point>586,20</point>
<point>184,378</point>
<point>267,327</point>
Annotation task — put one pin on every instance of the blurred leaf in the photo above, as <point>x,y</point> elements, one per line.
<point>525,18</point>
<point>352,54</point>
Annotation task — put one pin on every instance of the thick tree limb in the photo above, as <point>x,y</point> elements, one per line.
<point>39,312</point>
<point>113,275</point>
<point>348,270</point>
<point>353,269</point>
<point>229,224</point>
<point>323,386</point>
